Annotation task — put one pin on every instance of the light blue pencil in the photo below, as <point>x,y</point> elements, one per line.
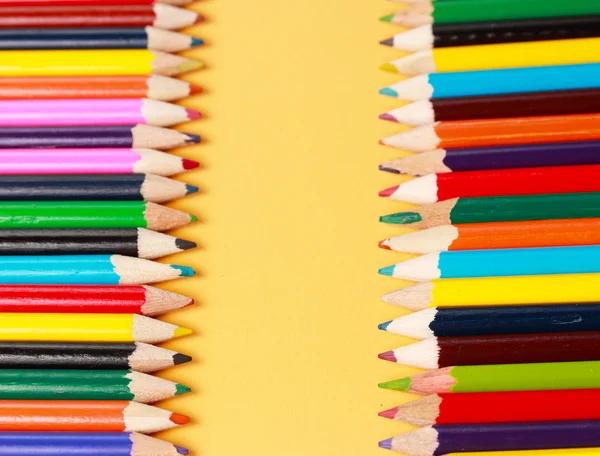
<point>86,270</point>
<point>498,262</point>
<point>496,82</point>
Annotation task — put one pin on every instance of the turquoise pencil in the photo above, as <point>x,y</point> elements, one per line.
<point>86,270</point>
<point>499,262</point>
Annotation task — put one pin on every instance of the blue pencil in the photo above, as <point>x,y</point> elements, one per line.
<point>496,320</point>
<point>496,82</point>
<point>498,262</point>
<point>84,444</point>
<point>86,270</point>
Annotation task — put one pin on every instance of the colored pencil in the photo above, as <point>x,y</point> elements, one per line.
<point>82,416</point>
<point>438,440</point>
<point>450,12</point>
<point>52,327</point>
<point>563,102</point>
<point>158,14</point>
<point>105,136</point>
<point>437,352</point>
<point>497,132</point>
<point>135,242</point>
<point>494,56</point>
<point>86,270</point>
<point>477,321</point>
<point>136,299</point>
<point>496,157</point>
<point>38,3</point>
<point>496,82</point>
<point>20,39</point>
<point>501,377</point>
<point>92,187</point>
<point>93,112</point>
<point>429,36</point>
<point>88,443</point>
<point>521,181</point>
<point>93,63</point>
<point>153,86</point>
<point>499,209</point>
<point>499,407</point>
<point>117,385</point>
<point>91,161</point>
<point>90,214</point>
<point>553,452</point>
<point>497,235</point>
<point>101,358</point>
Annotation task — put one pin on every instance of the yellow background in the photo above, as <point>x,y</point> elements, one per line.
<point>288,293</point>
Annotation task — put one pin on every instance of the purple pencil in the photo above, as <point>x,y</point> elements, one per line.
<point>456,438</point>
<point>500,157</point>
<point>108,136</point>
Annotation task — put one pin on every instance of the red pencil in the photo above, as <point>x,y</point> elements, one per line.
<point>31,3</point>
<point>497,132</point>
<point>143,300</point>
<point>500,407</point>
<point>503,182</point>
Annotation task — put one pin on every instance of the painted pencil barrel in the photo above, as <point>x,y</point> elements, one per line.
<point>554,452</point>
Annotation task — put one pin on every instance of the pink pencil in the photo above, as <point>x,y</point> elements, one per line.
<point>73,112</point>
<point>91,161</point>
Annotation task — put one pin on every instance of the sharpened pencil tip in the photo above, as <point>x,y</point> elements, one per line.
<point>383,326</point>
<point>387,18</point>
<point>387,444</point>
<point>194,89</point>
<point>389,68</point>
<point>386,116</point>
<point>180,358</point>
<point>189,164</point>
<point>183,244</point>
<point>182,450</point>
<point>387,271</point>
<point>388,170</point>
<point>190,189</point>
<point>401,218</point>
<point>402,384</point>
<point>178,418</point>
<point>390,414</point>
<point>192,139</point>
<point>185,271</point>
<point>180,331</point>
<point>384,244</point>
<point>192,114</point>
<point>388,92</point>
<point>388,191</point>
<point>193,218</point>
<point>189,65</point>
<point>199,18</point>
<point>387,356</point>
<point>181,389</point>
<point>388,42</point>
<point>197,42</point>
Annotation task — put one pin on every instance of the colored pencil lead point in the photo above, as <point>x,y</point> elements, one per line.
<point>177,418</point>
<point>381,142</point>
<point>180,358</point>
<point>183,244</point>
<point>189,164</point>
<point>388,170</point>
<point>193,114</point>
<point>387,18</point>
<point>192,139</point>
<point>193,218</point>
<point>194,89</point>
<point>389,68</point>
<point>189,65</point>
<point>383,326</point>
<point>197,42</point>
<point>387,356</point>
<point>386,444</point>
<point>388,191</point>
<point>181,389</point>
<point>386,116</point>
<point>401,218</point>
<point>181,331</point>
<point>388,92</point>
<point>185,270</point>
<point>190,189</point>
<point>402,384</point>
<point>182,450</point>
<point>201,18</point>
<point>390,414</point>
<point>388,42</point>
<point>384,244</point>
<point>387,271</point>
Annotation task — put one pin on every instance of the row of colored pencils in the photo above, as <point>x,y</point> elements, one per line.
<point>86,96</point>
<point>503,97</point>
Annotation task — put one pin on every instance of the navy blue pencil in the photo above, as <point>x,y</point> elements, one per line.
<point>494,320</point>
<point>95,38</point>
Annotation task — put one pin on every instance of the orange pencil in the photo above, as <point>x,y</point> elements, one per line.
<point>497,132</point>
<point>498,235</point>
<point>80,416</point>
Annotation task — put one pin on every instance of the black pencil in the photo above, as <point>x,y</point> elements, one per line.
<point>136,242</point>
<point>92,187</point>
<point>473,33</point>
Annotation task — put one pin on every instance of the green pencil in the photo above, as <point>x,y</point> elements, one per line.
<point>455,11</point>
<point>50,384</point>
<point>90,214</point>
<point>501,377</point>
<point>499,209</point>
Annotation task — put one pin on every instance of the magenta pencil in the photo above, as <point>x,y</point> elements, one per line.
<point>91,161</point>
<point>76,112</point>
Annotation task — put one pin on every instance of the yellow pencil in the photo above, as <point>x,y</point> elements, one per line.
<point>498,291</point>
<point>45,327</point>
<point>94,63</point>
<point>559,452</point>
<point>496,56</point>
